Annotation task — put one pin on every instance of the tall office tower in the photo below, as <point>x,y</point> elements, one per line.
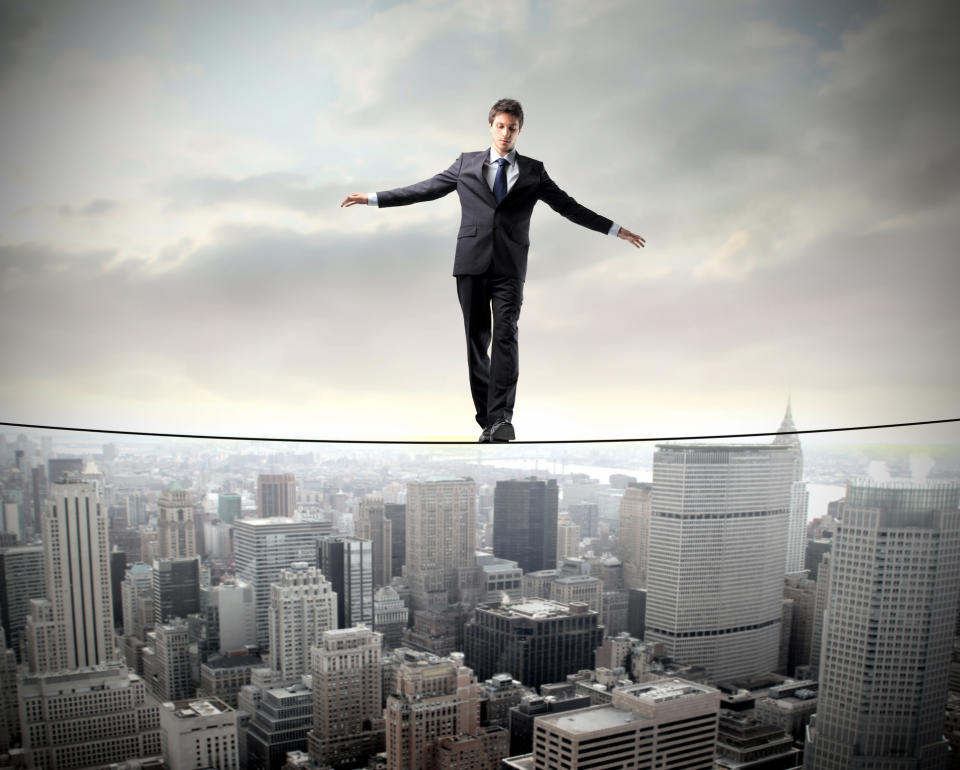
<point>397,514</point>
<point>441,557</point>
<point>347,690</point>
<point>77,566</point>
<point>634,533</point>
<point>9,697</point>
<point>586,516</point>
<point>718,535</point>
<point>347,562</point>
<point>799,497</point>
<point>668,723</point>
<point>200,733</point>
<point>176,589</point>
<point>136,592</point>
<point>118,568</point>
<point>229,507</point>
<point>40,488</point>
<point>803,593</point>
<point>264,547</point>
<point>434,698</point>
<point>22,578</point>
<point>176,533</point>
<point>525,523</point>
<point>302,607</point>
<point>167,668</point>
<point>390,616</point>
<point>889,629</point>
<point>94,717</point>
<point>819,614</point>
<point>526,640</point>
<point>136,509</point>
<point>373,525</point>
<point>276,495</point>
<point>568,539</point>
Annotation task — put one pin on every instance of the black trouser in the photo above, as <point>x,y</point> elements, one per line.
<point>493,377</point>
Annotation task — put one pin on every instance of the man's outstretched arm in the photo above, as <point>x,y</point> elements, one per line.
<point>429,189</point>
<point>566,206</point>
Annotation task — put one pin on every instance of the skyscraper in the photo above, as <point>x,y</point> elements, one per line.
<point>77,560</point>
<point>263,548</point>
<point>718,535</point>
<point>176,589</point>
<point>347,691</point>
<point>229,507</point>
<point>568,539</point>
<point>889,629</point>
<point>441,556</point>
<point>634,533</point>
<point>21,579</point>
<point>347,562</point>
<point>373,525</point>
<point>397,514</point>
<point>302,607</point>
<point>525,523</point>
<point>276,495</point>
<point>176,533</point>
<point>799,497</point>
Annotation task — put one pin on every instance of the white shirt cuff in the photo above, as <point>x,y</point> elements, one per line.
<point>372,199</point>
<point>614,229</point>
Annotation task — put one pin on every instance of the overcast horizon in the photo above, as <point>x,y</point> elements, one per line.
<point>174,257</point>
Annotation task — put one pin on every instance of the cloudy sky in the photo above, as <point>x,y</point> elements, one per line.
<point>174,257</point>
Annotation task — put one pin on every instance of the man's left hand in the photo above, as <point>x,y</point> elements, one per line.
<point>637,240</point>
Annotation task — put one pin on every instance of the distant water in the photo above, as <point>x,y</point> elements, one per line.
<point>820,494</point>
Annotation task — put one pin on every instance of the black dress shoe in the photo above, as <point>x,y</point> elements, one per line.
<point>485,436</point>
<point>501,431</point>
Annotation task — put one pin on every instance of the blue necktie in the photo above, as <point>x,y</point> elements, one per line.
<point>500,183</point>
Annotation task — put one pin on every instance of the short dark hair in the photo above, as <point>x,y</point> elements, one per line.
<point>509,106</point>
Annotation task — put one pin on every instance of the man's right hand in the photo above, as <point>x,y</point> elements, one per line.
<point>353,199</point>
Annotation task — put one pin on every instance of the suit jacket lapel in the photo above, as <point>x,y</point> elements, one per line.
<point>526,174</point>
<point>477,171</point>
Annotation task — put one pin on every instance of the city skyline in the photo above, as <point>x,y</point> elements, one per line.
<point>174,258</point>
<point>716,517</point>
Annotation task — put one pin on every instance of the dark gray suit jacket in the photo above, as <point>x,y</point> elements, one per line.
<point>492,235</point>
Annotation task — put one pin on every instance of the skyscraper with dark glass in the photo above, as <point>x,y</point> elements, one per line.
<point>525,523</point>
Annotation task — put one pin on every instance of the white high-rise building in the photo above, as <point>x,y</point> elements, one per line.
<point>799,496</point>
<point>633,534</point>
<point>176,532</point>
<point>199,734</point>
<point>568,539</point>
<point>718,537</point>
<point>888,629</point>
<point>302,606</point>
<point>347,688</point>
<point>264,547</point>
<point>440,534</point>
<point>77,554</point>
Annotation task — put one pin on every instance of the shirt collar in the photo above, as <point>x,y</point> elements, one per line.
<point>495,156</point>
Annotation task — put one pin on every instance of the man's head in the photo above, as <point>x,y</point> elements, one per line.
<point>506,120</point>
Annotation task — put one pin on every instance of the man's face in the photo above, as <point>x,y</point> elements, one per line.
<point>505,128</point>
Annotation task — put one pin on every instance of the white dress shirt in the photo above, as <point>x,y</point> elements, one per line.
<point>490,167</point>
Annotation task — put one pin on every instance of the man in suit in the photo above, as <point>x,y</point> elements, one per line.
<point>498,189</point>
